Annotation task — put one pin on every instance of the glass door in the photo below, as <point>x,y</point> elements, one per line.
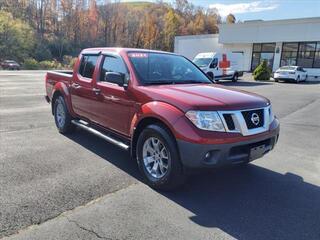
<point>262,51</point>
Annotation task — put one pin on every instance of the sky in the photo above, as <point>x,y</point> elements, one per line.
<point>261,9</point>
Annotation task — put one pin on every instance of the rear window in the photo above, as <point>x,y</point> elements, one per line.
<point>288,68</point>
<point>153,68</point>
<point>87,65</point>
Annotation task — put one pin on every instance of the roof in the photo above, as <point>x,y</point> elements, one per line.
<point>119,50</point>
<point>288,30</point>
<point>278,21</point>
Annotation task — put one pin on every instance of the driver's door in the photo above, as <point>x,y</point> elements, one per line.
<point>114,105</point>
<point>214,67</point>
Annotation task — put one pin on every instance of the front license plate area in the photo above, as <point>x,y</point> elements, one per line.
<point>257,152</point>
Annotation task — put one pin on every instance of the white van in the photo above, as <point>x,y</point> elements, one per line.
<point>221,65</point>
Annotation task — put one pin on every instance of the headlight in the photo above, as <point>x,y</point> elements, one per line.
<point>206,120</point>
<point>271,115</point>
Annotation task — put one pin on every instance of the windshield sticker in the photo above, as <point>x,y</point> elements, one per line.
<point>138,55</point>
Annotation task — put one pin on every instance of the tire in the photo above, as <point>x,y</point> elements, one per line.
<point>235,77</point>
<point>298,79</point>
<point>62,116</point>
<point>276,80</point>
<point>157,144</point>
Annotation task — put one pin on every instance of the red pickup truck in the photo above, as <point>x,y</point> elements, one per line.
<point>163,109</point>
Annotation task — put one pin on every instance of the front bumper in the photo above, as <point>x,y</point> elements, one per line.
<point>195,155</point>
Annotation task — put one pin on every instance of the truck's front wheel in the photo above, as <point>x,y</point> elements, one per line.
<point>235,77</point>
<point>158,158</point>
<point>62,116</point>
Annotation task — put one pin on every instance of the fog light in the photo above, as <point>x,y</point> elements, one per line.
<point>211,157</point>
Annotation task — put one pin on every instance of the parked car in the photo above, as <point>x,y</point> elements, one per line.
<point>10,65</point>
<point>290,73</point>
<point>221,65</point>
<point>163,109</point>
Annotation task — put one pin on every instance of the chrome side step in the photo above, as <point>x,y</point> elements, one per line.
<point>84,125</point>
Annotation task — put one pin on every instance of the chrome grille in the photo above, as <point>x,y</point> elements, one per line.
<point>240,121</point>
<point>247,115</point>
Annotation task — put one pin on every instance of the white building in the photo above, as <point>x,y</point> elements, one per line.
<point>280,42</point>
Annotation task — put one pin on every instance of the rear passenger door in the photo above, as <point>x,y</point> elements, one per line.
<point>82,94</point>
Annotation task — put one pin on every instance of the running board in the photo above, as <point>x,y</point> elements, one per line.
<point>84,125</point>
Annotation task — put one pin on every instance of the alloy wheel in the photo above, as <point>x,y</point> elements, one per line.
<point>156,157</point>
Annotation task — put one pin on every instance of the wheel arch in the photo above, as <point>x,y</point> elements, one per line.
<point>142,124</point>
<point>55,95</point>
<point>60,89</point>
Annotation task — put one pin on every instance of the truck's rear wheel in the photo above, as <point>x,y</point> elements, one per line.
<point>158,159</point>
<point>62,116</point>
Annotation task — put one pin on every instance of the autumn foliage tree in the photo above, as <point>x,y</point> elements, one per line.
<point>64,27</point>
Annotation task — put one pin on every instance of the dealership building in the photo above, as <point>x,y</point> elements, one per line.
<point>279,42</point>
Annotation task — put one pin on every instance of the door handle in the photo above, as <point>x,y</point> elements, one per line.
<point>97,91</point>
<point>112,98</point>
<point>75,85</point>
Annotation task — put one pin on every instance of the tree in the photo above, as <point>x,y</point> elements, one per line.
<point>171,26</point>
<point>230,18</point>
<point>93,20</point>
<point>16,38</point>
<point>64,27</point>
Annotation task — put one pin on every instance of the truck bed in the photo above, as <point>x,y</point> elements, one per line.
<point>53,77</point>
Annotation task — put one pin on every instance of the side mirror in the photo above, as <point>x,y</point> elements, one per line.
<point>213,65</point>
<point>210,76</point>
<point>114,77</point>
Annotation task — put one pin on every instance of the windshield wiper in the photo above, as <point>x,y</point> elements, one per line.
<point>159,82</point>
<point>189,81</point>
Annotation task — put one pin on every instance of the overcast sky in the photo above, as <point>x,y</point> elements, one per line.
<point>261,9</point>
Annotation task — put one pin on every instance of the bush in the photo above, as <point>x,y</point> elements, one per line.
<point>48,65</point>
<point>69,61</point>
<point>31,64</point>
<point>262,72</point>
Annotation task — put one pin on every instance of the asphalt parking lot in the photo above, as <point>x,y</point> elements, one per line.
<point>80,187</point>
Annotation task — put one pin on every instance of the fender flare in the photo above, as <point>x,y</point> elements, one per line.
<point>62,89</point>
<point>164,112</point>
<point>155,111</point>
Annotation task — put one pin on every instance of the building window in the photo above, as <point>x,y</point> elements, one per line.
<point>304,54</point>
<point>289,54</point>
<point>262,51</point>
<point>316,62</point>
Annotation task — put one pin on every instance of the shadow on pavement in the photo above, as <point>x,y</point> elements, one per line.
<point>245,202</point>
<point>253,203</point>
<point>300,83</point>
<point>107,151</point>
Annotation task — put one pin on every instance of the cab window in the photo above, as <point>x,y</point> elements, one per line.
<point>87,65</point>
<point>112,64</point>
<point>214,63</point>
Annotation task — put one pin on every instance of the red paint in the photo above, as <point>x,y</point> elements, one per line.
<point>224,64</point>
<point>121,110</point>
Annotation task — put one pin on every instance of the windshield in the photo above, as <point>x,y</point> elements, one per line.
<point>288,68</point>
<point>202,62</point>
<point>160,68</point>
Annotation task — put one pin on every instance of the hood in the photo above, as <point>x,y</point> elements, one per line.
<point>205,97</point>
